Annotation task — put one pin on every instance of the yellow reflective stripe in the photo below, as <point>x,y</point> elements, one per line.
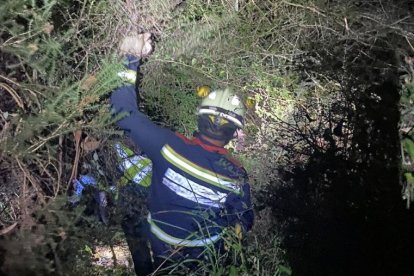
<point>125,150</point>
<point>215,175</point>
<point>133,168</point>
<point>137,168</point>
<point>146,181</point>
<point>128,76</point>
<point>133,173</point>
<point>124,154</point>
<point>160,234</point>
<point>199,172</point>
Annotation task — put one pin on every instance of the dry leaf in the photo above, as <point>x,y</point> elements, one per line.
<point>48,28</point>
<point>77,135</point>
<point>90,144</point>
<point>89,82</point>
<point>32,48</point>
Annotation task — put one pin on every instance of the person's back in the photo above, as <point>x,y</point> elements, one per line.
<point>194,193</point>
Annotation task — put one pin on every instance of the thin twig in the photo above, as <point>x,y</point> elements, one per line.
<point>313,9</point>
<point>55,133</point>
<point>8,229</point>
<point>9,80</point>
<point>60,164</point>
<point>165,260</point>
<point>77,135</point>
<point>35,184</point>
<point>409,43</point>
<point>14,95</point>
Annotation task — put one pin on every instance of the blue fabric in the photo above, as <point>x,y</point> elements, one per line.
<point>80,185</point>
<point>176,215</point>
<point>131,62</point>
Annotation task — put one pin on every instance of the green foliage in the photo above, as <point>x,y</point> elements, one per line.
<point>242,256</point>
<point>217,45</point>
<point>62,112</point>
<point>297,59</point>
<point>407,143</point>
<point>57,92</point>
<point>53,231</point>
<point>56,73</point>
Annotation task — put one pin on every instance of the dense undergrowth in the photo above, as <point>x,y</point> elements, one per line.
<point>328,145</point>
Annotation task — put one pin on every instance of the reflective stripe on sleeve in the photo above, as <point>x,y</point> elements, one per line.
<point>136,168</point>
<point>128,76</point>
<point>160,234</point>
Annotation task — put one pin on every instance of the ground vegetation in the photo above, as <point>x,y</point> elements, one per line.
<point>328,144</point>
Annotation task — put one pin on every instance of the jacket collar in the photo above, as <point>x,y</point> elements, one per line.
<point>197,140</point>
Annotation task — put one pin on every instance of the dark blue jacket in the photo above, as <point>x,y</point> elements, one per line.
<point>197,190</point>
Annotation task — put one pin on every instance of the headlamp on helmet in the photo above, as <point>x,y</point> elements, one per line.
<point>221,114</point>
<point>224,104</point>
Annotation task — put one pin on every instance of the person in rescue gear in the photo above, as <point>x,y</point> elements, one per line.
<point>197,190</point>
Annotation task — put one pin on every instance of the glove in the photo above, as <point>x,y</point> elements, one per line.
<point>137,45</point>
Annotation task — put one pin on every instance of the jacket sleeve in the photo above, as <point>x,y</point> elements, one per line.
<point>145,134</point>
<point>239,208</point>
